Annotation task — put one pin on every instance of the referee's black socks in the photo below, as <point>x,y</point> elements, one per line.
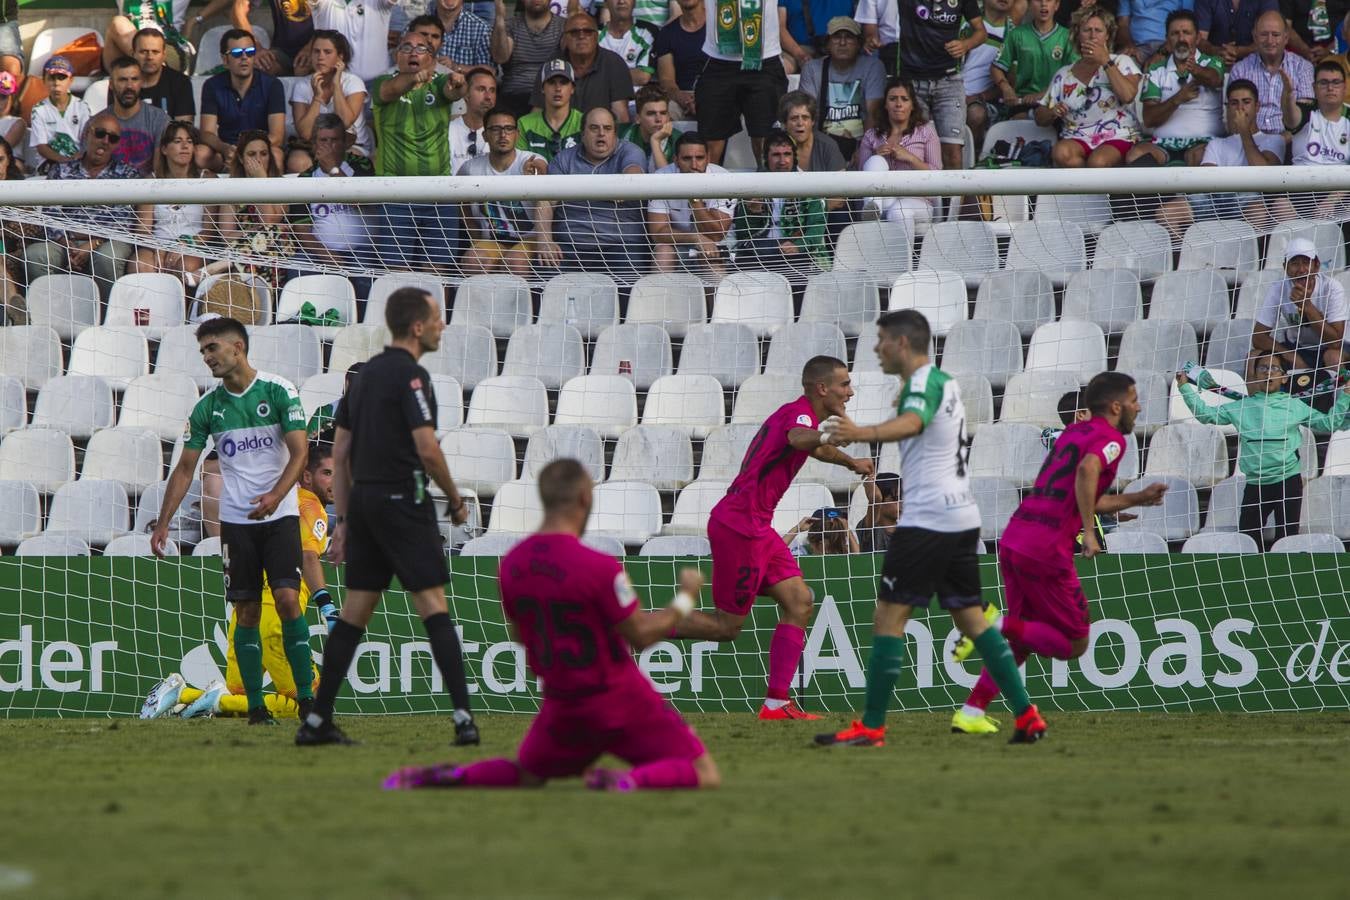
<point>338,652</point>
<point>449,657</point>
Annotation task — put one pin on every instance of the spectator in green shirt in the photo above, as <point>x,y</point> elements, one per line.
<point>1267,423</point>
<point>781,234</point>
<point>653,132</point>
<point>1032,53</point>
<point>556,126</point>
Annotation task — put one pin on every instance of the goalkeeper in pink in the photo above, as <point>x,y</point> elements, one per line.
<point>578,618</point>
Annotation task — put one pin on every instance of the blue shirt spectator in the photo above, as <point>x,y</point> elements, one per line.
<point>1221,26</point>
<point>1143,24</point>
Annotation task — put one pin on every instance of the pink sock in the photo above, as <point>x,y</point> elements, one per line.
<point>785,652</point>
<point>1037,637</point>
<point>491,773</point>
<point>665,773</point>
<point>986,689</point>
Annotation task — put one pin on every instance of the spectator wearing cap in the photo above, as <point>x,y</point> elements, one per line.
<point>57,123</point>
<point>556,126</point>
<point>802,28</point>
<point>162,86</point>
<point>11,43</point>
<point>505,234</point>
<point>466,41</point>
<point>744,76</point>
<point>777,233</point>
<point>1283,79</point>
<point>680,58</point>
<point>365,24</point>
<point>467,138</point>
<point>823,532</point>
<point>240,99</point>
<point>1302,316</point>
<point>883,512</point>
<point>631,40</point>
<point>654,133</point>
<point>12,127</point>
<point>330,233</point>
<point>521,44</point>
<point>600,76</point>
<point>692,232</point>
<point>142,124</point>
<point>846,86</point>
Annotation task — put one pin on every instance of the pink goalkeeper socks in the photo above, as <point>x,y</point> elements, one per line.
<point>785,652</point>
<point>665,773</point>
<point>490,773</point>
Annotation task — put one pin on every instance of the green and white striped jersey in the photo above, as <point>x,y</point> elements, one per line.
<point>935,462</point>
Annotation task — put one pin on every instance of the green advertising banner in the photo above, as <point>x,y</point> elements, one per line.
<point>91,636</point>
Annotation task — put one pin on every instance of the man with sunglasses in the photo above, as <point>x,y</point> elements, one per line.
<point>600,75</point>
<point>242,98</point>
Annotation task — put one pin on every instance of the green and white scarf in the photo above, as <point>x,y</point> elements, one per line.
<point>740,31</point>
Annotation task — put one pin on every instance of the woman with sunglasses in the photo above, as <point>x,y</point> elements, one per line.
<point>173,223</point>
<point>332,89</point>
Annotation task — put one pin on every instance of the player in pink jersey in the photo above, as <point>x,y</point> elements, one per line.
<point>749,557</point>
<point>577,616</point>
<point>1047,611</point>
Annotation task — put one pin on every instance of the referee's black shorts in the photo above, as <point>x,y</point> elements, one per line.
<point>248,550</point>
<point>390,534</point>
<point>920,563</point>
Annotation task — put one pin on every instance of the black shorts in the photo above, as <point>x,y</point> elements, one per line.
<point>390,534</point>
<point>920,563</point>
<point>724,93</point>
<point>249,549</point>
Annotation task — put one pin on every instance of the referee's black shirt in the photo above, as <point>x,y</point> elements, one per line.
<point>390,397</point>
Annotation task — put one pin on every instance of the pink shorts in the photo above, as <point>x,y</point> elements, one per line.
<point>746,566</point>
<point>1122,146</point>
<point>1044,592</point>
<point>634,723</point>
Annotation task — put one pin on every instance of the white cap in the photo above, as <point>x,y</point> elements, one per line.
<point>1300,247</point>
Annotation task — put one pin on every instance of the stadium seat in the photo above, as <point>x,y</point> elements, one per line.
<point>978,396</point>
<point>516,404</point>
<point>740,153</point>
<point>480,459</point>
<point>322,292</point>
<point>799,501</point>
<point>676,545</point>
<point>44,456</point>
<point>1008,450</point>
<point>115,353</point>
<point>449,403</point>
<point>837,479</point>
<point>1178,411</point>
<point>386,284</point>
<point>761,395</point>
<point>1177,518</point>
<point>1129,468</point>
<point>320,390</point>
<point>79,405</point>
<point>627,510</point>
<point>1135,542</point>
<point>53,545</point>
<point>580,442</point>
<point>68,304</point>
<point>161,403</point>
<point>874,398</point>
<point>1308,543</point>
<point>490,545</point>
<point>262,296</point>
<point>587,301</point>
<point>13,404</point>
<point>724,451</point>
<point>516,509</point>
<point>967,248</point>
<point>500,303</point>
<point>137,545</point>
<point>1154,390</point>
<point>95,511</point>
<point>640,353</point>
<point>694,504</point>
<point>795,343</point>
<point>1227,246</point>
<point>130,456</point>
<point>292,352</point>
<point>1032,398</point>
<point>725,351</point>
<point>673,300</point>
<point>1143,247</point>
<point>1109,297</point>
<point>186,524</point>
<point>1225,505</point>
<point>31,353</point>
<point>997,500</point>
<point>1338,455</point>
<point>1010,130</point>
<point>20,511</point>
<point>1090,212</point>
<point>468,353</point>
<point>208,547</point>
<point>549,351</point>
<point>1326,506</point>
<point>1229,345</point>
<point>846,299</point>
<point>607,403</point>
<point>1325,235</point>
<point>1055,248</point>
<point>151,301</point>
<point>1197,296</point>
<point>1220,542</point>
<point>179,354</point>
<point>660,456</point>
<point>1026,298</point>
<point>355,344</point>
<point>1077,347</point>
<point>1157,345</point>
<point>761,301</point>
<point>692,403</point>
<point>49,40</point>
<point>882,250</point>
<point>983,346</point>
<point>1189,450</point>
<point>889,459</point>
<point>939,295</point>
<point>1253,291</point>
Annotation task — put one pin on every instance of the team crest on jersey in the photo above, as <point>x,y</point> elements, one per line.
<point>1111,451</point>
<point>623,590</point>
<point>804,419</point>
<point>1057,53</point>
<point>320,529</point>
<point>263,410</point>
<point>429,98</point>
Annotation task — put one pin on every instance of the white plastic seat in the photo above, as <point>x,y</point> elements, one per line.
<point>587,301</point>
<point>1109,297</point>
<point>500,303</point>
<point>797,342</point>
<point>1135,542</point>
<point>79,405</point>
<point>208,547</point>
<point>43,456</point>
<point>185,526</point>
<point>1155,391</point>
<point>1338,455</point>
<point>673,300</point>
<point>580,442</point>
<point>480,459</point>
<point>115,353</point>
<point>1032,398</point>
<point>692,403</point>
<point>1055,248</point>
<point>13,404</point>
<point>550,351</point>
<point>355,344</point>
<point>761,301</point>
<point>627,510</point>
<point>150,301</point>
<point>320,390</point>
<point>1009,450</point>
<point>95,511</point>
<point>693,506</point>
<point>516,404</point>
<point>1078,347</point>
<point>386,284</point>
<point>977,394</point>
<point>1228,246</point>
<point>1220,542</point>
<point>31,353</point>
<point>846,299</point>
<point>939,295</point>
<point>881,249</point>
<point>1157,345</point>
<point>799,501</point>
<point>179,354</point>
<point>1179,412</point>
<point>1143,247</point>
<point>468,353</point>
<point>1011,129</point>
<point>1197,296</point>
<point>640,353</point>
<point>985,346</point>
<point>997,500</point>
<point>1024,297</point>
<point>1195,452</point>
<point>1090,212</point>
<point>874,396</point>
<point>490,545</point>
<point>1325,235</point>
<point>20,511</point>
<point>660,456</point>
<point>724,451</point>
<point>53,545</point>
<point>1225,504</point>
<point>160,403</point>
<point>1229,345</point>
<point>323,292</point>
<point>1129,467</point>
<point>449,403</point>
<point>608,403</point>
<point>130,456</point>
<point>676,545</point>
<point>292,352</point>
<point>136,545</point>
<point>967,248</point>
<point>1308,543</point>
<point>1254,289</point>
<point>1177,518</point>
<point>1326,506</point>
<point>516,509</point>
<point>68,304</point>
<point>761,395</point>
<point>50,40</point>
<point>726,351</point>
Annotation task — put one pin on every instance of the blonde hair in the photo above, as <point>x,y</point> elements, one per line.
<point>1093,12</point>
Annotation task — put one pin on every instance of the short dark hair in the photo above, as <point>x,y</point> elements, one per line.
<point>498,112</point>
<point>338,40</point>
<point>428,21</point>
<point>1329,65</point>
<point>560,483</point>
<point>235,34</point>
<point>1068,407</point>
<point>478,72</point>
<point>793,99</point>
<point>1178,15</point>
<point>778,138</point>
<point>650,93</point>
<point>888,483</point>
<point>405,308</point>
<point>1242,84</point>
<point>223,326</point>
<point>123,62</point>
<point>146,32</point>
<point>318,452</point>
<point>329,122</point>
<point>819,368</point>
<point>909,324</point>
<point>1106,388</point>
<point>690,139</point>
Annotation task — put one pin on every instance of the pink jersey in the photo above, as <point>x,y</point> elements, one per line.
<point>1047,522</point>
<point>565,599</point>
<point>769,466</point>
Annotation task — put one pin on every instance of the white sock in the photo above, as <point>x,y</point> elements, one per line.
<point>973,711</point>
<point>775,704</point>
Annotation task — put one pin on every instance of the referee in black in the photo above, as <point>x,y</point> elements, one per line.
<point>384,454</point>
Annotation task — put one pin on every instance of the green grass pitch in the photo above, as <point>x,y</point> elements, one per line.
<point>1118,805</point>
